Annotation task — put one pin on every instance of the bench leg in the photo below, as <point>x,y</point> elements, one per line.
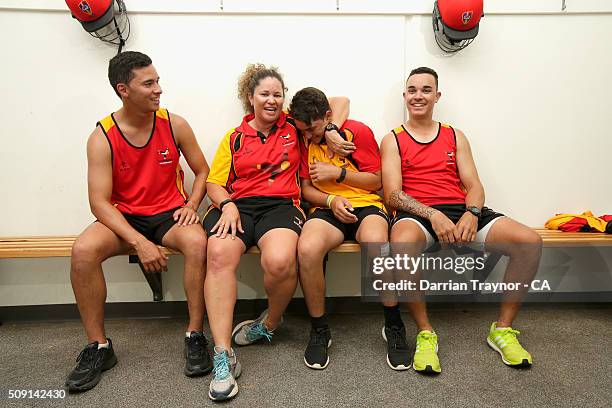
<point>154,279</point>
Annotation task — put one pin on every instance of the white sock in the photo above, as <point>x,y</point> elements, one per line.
<point>187,334</point>
<point>105,345</point>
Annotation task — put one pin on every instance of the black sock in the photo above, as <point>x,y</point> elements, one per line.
<point>393,316</point>
<point>319,322</point>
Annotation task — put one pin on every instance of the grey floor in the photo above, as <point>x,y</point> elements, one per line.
<point>571,345</point>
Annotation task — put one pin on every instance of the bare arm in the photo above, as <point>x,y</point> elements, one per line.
<point>321,171</point>
<point>340,107</point>
<point>475,195</point>
<point>339,205</point>
<point>190,148</point>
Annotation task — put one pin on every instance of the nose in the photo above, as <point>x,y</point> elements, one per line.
<point>158,89</point>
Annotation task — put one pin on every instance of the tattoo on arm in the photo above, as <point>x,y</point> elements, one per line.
<point>404,202</point>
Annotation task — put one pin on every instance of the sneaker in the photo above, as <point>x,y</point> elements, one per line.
<point>223,386</point>
<point>398,357</point>
<point>91,362</point>
<point>504,341</point>
<point>197,358</point>
<point>425,359</point>
<point>315,355</point>
<point>251,331</point>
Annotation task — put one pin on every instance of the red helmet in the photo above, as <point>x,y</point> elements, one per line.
<point>92,14</point>
<point>103,19</point>
<point>455,23</point>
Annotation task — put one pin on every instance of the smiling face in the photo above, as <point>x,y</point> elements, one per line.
<point>421,95</point>
<point>143,90</point>
<point>267,100</point>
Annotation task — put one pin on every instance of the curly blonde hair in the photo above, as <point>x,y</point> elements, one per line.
<point>249,80</point>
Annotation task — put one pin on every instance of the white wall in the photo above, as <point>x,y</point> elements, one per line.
<point>531,93</point>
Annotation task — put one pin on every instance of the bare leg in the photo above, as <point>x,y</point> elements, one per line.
<point>191,242</point>
<point>524,247</point>
<point>220,289</point>
<point>96,244</point>
<point>278,260</point>
<point>316,239</point>
<point>409,232</point>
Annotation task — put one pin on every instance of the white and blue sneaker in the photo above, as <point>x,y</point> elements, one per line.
<point>251,331</point>
<point>226,369</point>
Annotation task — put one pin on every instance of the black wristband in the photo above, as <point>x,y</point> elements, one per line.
<point>342,176</point>
<point>222,203</point>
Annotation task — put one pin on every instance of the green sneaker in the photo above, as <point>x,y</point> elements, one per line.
<point>426,354</point>
<point>504,341</point>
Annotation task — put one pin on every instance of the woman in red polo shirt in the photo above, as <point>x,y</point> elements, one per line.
<point>254,187</point>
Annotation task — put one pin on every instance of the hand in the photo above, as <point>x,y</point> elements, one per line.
<point>444,227</point>
<point>151,257</point>
<point>337,145</point>
<point>340,206</point>
<point>466,227</point>
<point>229,222</point>
<point>186,216</point>
<point>320,172</point>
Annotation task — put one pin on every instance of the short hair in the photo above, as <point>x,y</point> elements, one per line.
<point>121,65</point>
<point>249,80</point>
<point>309,104</point>
<point>424,70</point>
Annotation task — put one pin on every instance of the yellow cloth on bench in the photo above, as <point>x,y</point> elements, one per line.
<point>594,222</point>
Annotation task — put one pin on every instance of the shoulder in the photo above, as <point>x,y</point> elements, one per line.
<point>178,122</point>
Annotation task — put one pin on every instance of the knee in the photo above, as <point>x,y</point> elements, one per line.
<point>309,253</point>
<point>195,248</point>
<point>219,259</point>
<point>279,267</point>
<point>85,252</point>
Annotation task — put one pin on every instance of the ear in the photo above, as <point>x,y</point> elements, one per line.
<point>123,90</point>
<point>328,115</point>
<point>250,96</point>
<point>438,95</point>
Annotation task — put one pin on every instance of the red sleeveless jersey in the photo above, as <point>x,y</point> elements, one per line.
<point>429,170</point>
<point>147,180</point>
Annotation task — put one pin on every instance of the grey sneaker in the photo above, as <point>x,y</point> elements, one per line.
<point>251,331</point>
<point>223,385</point>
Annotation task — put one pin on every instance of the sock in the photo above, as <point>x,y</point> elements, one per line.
<point>319,322</point>
<point>393,316</point>
<point>105,345</point>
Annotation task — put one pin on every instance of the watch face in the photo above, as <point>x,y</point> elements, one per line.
<point>331,126</point>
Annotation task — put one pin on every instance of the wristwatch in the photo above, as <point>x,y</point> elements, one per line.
<point>330,126</point>
<point>474,210</point>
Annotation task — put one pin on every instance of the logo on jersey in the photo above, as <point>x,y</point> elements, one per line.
<point>275,168</point>
<point>298,221</point>
<point>451,157</point>
<point>467,16</point>
<point>84,6</point>
<point>163,156</point>
<point>124,166</point>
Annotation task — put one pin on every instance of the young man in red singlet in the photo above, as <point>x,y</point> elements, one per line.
<point>136,193</point>
<point>430,180</point>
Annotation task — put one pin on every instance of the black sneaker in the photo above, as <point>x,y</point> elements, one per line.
<point>91,362</point>
<point>196,355</point>
<point>315,355</point>
<point>398,356</point>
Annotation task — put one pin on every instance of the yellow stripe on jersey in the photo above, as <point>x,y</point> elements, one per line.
<point>445,125</point>
<point>398,130</point>
<point>179,180</point>
<point>163,114</point>
<point>107,123</point>
<point>222,163</point>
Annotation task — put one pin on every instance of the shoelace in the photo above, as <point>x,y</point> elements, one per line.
<point>257,331</point>
<point>318,337</point>
<point>87,355</point>
<point>221,366</point>
<point>396,339</point>
<point>196,345</point>
<point>428,341</point>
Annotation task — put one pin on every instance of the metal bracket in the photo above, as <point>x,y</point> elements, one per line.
<point>154,279</point>
<point>563,5</point>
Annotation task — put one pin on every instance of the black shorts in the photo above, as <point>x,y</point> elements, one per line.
<point>454,212</point>
<point>259,215</point>
<point>153,227</point>
<point>349,230</point>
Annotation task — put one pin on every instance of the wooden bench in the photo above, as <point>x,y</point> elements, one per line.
<point>61,246</point>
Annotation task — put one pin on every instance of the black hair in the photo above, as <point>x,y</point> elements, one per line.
<point>424,70</point>
<point>309,104</point>
<point>121,65</point>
